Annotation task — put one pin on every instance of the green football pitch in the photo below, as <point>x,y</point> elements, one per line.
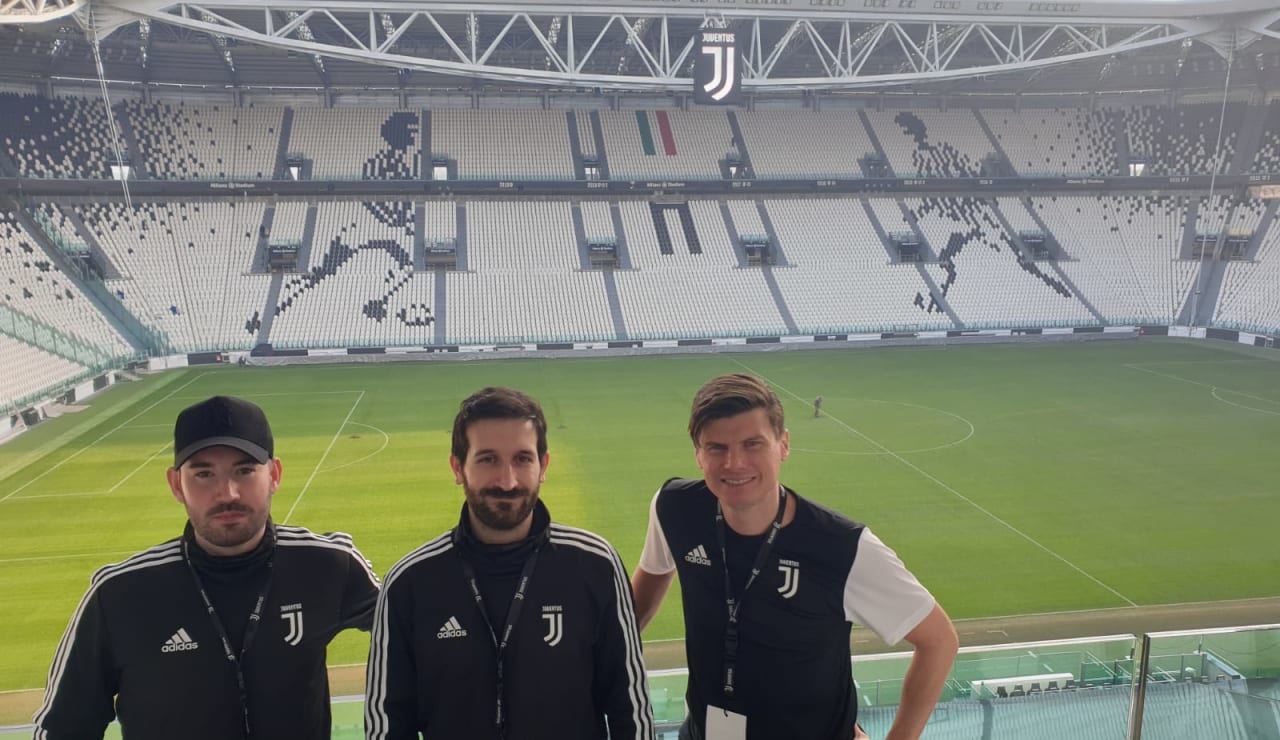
<point>1013,479</point>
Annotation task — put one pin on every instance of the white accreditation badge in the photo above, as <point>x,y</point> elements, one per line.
<point>725,725</point>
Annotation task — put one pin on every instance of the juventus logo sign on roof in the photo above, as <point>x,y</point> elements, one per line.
<point>717,79</point>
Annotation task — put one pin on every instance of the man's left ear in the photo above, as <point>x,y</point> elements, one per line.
<point>175,485</point>
<point>277,470</point>
<point>546,460</point>
<point>786,443</point>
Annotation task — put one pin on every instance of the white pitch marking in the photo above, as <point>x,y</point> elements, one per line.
<point>77,494</point>
<point>935,448</point>
<point>1214,393</point>
<point>142,465</point>
<point>320,462</point>
<point>110,490</point>
<point>1210,386</point>
<point>78,556</point>
<point>386,440</point>
<point>1213,390</point>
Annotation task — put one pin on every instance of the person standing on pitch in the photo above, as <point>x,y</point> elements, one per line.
<point>508,626</point>
<point>221,633</point>
<point>772,583</point>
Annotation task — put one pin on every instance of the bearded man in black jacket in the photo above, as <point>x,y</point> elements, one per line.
<point>509,626</point>
<point>222,632</point>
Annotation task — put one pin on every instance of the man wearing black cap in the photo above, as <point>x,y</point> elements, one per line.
<point>222,632</point>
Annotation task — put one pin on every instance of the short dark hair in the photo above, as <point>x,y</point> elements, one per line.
<point>730,395</point>
<point>497,403</point>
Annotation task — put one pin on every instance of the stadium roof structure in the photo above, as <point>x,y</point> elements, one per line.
<point>644,46</point>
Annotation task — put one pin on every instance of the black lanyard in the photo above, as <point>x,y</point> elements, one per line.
<point>735,606</point>
<point>250,630</point>
<point>513,616</point>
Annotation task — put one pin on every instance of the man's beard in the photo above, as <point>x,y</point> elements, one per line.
<point>230,535</point>
<point>498,509</point>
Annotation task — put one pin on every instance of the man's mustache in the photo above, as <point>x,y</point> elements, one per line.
<point>504,493</point>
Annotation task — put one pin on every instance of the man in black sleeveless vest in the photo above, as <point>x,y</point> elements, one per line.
<point>771,584</point>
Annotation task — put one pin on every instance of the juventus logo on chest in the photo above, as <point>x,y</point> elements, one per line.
<point>790,578</point>
<point>292,615</point>
<point>554,617</point>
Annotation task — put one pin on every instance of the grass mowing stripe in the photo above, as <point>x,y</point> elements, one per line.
<point>40,558</point>
<point>942,484</point>
<point>78,494</point>
<point>62,440</point>
<point>117,428</point>
<point>1199,362</point>
<point>320,462</point>
<point>276,395</point>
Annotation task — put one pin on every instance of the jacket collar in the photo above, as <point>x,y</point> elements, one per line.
<point>464,538</point>
<point>205,562</point>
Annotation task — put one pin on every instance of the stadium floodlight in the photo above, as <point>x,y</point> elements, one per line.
<point>552,38</point>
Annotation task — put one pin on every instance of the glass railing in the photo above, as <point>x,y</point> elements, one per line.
<point>1222,684</point>
<point>1209,683</point>
<point>66,242</point>
<point>35,332</point>
<point>154,341</point>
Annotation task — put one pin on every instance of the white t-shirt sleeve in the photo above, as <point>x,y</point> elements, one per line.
<point>656,557</point>
<point>881,593</point>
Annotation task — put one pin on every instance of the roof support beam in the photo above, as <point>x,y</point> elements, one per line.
<point>591,48</point>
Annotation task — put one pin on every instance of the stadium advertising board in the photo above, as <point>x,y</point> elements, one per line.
<point>27,187</point>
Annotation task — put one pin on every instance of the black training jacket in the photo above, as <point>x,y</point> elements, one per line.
<point>573,668</point>
<point>141,646</point>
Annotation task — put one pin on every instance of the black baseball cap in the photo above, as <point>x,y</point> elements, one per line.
<point>222,421</point>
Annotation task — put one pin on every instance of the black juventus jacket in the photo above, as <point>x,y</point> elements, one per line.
<point>142,647</point>
<point>572,669</point>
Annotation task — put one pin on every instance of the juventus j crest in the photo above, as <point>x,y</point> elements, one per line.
<point>554,617</point>
<point>717,77</point>
<point>292,615</point>
<point>790,578</point>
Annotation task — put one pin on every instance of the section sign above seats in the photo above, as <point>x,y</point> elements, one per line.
<point>717,72</point>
